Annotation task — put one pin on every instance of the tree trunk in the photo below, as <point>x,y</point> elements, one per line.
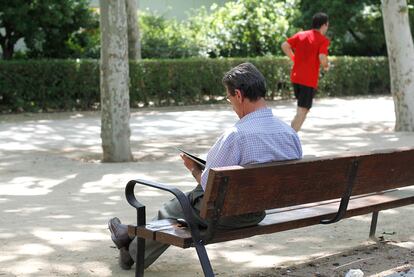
<point>7,45</point>
<point>401,61</point>
<point>6,55</point>
<point>134,44</point>
<point>115,131</point>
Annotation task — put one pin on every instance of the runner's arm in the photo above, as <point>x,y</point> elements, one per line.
<point>287,49</point>
<point>324,61</point>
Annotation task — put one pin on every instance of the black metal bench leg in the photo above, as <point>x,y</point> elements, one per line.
<point>204,260</point>
<point>139,265</point>
<point>373,225</point>
<point>186,206</point>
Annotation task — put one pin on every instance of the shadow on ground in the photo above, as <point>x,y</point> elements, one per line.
<point>56,196</point>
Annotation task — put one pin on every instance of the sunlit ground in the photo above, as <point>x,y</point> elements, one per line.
<point>56,196</point>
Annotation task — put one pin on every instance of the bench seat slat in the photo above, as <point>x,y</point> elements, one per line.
<point>277,220</point>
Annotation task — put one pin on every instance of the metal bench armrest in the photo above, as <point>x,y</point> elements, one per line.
<point>130,195</point>
<point>181,197</point>
<point>186,206</point>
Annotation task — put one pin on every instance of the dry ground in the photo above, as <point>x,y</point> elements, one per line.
<point>56,197</point>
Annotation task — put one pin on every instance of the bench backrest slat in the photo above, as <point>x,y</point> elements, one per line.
<point>244,189</point>
<point>384,171</point>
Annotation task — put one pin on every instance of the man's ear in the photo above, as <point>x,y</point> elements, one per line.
<point>239,95</point>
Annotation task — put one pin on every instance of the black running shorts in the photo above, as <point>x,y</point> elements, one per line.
<point>304,95</point>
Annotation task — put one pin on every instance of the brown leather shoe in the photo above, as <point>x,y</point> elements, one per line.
<point>125,260</point>
<point>119,233</point>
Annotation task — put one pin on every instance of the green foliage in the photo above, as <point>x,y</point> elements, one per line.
<point>356,27</point>
<point>86,42</point>
<point>48,85</point>
<point>355,76</point>
<point>243,28</point>
<point>164,38</point>
<point>51,29</point>
<point>51,85</point>
<point>250,28</point>
<point>240,28</point>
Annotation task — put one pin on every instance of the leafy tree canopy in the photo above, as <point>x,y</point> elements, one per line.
<point>240,28</point>
<point>244,27</point>
<point>164,38</point>
<point>356,26</point>
<point>52,29</point>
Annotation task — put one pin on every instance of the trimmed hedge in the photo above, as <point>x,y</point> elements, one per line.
<point>48,85</point>
<point>64,85</point>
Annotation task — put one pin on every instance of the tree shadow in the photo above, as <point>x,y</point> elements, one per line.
<point>56,197</point>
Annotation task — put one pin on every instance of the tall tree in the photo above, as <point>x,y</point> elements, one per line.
<point>401,61</point>
<point>356,25</point>
<point>115,113</point>
<point>46,26</point>
<point>134,44</point>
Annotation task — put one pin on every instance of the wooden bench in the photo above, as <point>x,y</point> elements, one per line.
<point>294,194</point>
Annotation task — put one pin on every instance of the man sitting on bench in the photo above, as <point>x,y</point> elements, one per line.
<point>258,137</point>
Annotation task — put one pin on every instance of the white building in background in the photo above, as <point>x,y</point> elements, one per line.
<point>178,9</point>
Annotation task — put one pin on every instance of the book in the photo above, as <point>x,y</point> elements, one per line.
<point>199,161</point>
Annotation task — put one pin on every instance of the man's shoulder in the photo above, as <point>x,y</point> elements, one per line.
<point>305,33</point>
<point>229,134</point>
<point>321,37</point>
<point>305,36</point>
<point>313,33</point>
<point>299,34</point>
<point>269,125</point>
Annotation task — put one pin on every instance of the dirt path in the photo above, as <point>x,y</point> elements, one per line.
<point>56,197</point>
<point>380,259</point>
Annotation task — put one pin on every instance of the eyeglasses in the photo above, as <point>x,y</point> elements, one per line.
<point>228,98</point>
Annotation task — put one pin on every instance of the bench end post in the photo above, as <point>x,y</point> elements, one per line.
<point>373,227</point>
<point>141,221</point>
<point>347,195</point>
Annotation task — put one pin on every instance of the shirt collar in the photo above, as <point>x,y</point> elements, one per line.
<point>262,112</point>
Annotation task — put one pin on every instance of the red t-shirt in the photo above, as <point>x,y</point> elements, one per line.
<point>307,45</point>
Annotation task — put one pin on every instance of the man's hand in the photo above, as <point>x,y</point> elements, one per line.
<point>287,49</point>
<point>324,61</point>
<point>192,166</point>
